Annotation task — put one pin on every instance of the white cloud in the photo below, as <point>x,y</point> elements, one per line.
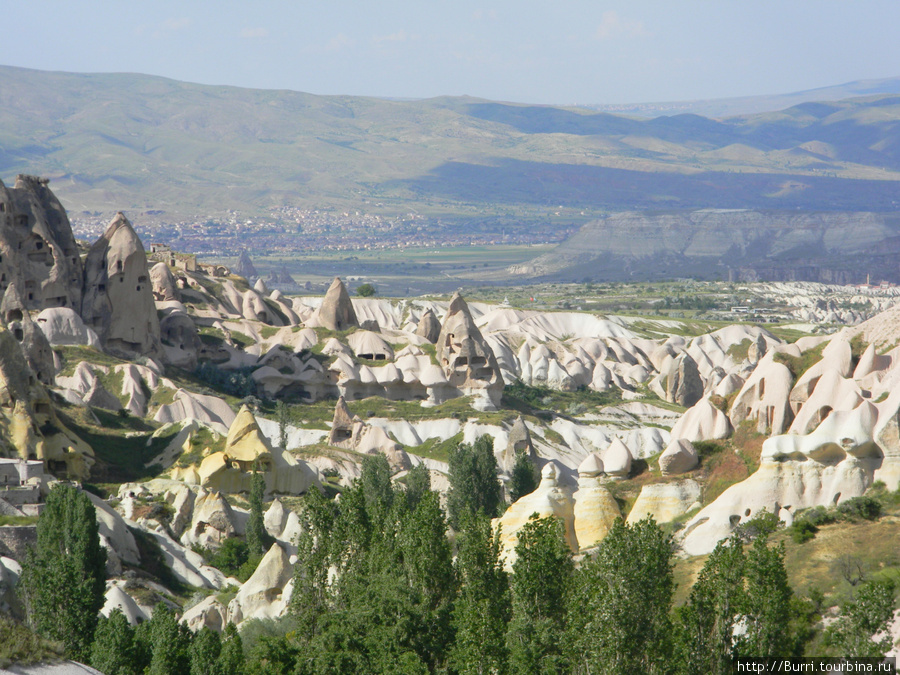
<point>251,33</point>
<point>613,25</point>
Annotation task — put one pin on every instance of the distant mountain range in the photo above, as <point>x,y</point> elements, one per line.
<point>749,105</point>
<point>169,150</point>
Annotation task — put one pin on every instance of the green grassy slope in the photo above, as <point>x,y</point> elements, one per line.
<point>135,142</point>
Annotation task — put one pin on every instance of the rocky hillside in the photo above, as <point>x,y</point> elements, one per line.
<point>120,139</point>
<point>173,388</point>
<point>739,245</point>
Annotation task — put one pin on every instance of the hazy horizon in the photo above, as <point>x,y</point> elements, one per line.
<point>576,52</point>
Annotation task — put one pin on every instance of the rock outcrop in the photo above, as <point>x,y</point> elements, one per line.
<point>37,248</point>
<point>247,449</point>
<point>466,358</point>
<point>684,386</point>
<point>118,297</point>
<point>336,312</point>
<point>429,327</point>
<point>245,267</point>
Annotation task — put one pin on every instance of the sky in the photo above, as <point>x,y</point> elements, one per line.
<point>560,52</point>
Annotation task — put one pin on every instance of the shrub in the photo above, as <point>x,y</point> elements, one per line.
<point>802,531</point>
<point>865,507</point>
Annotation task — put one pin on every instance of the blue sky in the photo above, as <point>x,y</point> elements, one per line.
<point>538,52</point>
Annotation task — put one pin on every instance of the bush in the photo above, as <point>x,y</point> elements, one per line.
<point>819,516</point>
<point>366,291</point>
<point>802,531</point>
<point>865,508</point>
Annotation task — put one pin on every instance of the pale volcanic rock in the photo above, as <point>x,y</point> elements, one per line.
<point>617,459</point>
<point>336,312</point>
<point>37,248</point>
<point>595,510</point>
<point>98,397</point>
<point>679,457</point>
<point>548,500</point>
<point>368,345</point>
<point>212,521</point>
<point>775,485</point>
<point>208,613</point>
<point>116,598</point>
<point>765,397</point>
<point>665,501</point>
<point>466,359</point>
<point>114,534</point>
<point>518,442</point>
<point>29,426</point>
<point>831,392</point>
<point>63,326</point>
<point>209,410</point>
<point>684,386</point>
<point>429,327</point>
<point>34,343</point>
<point>263,596</point>
<point>180,340</point>
<point>118,297</point>
<point>165,288</point>
<point>244,266</point>
<point>591,466</point>
<point>246,448</point>
<point>703,422</point>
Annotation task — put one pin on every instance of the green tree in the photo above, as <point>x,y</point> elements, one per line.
<point>281,411</point>
<point>418,484</point>
<point>523,480</point>
<point>706,624</point>
<point>374,579</point>
<point>366,290</point>
<point>474,486</point>
<point>205,649</point>
<point>482,607</point>
<point>541,585</point>
<point>113,650</point>
<point>64,577</point>
<point>619,621</point>
<point>258,540</point>
<point>871,613</point>
<point>231,657</point>
<point>170,643</point>
<point>767,602</point>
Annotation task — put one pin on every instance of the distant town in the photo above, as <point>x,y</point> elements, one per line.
<point>293,230</point>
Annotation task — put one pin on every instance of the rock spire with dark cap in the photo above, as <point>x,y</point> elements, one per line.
<point>336,312</point>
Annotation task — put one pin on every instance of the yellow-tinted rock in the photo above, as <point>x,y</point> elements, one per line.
<point>547,500</point>
<point>595,512</point>
<point>665,501</point>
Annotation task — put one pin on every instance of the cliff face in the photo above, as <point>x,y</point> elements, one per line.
<point>741,245</point>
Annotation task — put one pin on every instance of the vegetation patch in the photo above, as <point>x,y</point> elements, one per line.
<point>800,364</point>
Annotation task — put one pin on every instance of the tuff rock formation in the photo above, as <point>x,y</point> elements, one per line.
<point>336,312</point>
<point>37,248</point>
<point>247,449</point>
<point>466,358</point>
<point>118,299</point>
<point>429,327</point>
<point>244,266</point>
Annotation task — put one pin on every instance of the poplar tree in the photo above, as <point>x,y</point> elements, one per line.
<point>474,486</point>
<point>64,576</point>
<point>541,584</point>
<point>619,621</point>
